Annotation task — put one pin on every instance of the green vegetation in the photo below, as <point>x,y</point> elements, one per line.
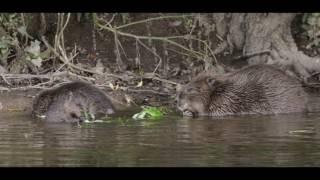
<point>153,113</point>
<point>89,117</point>
<point>147,113</point>
<point>311,25</point>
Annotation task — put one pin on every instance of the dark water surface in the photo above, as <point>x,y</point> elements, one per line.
<point>286,140</point>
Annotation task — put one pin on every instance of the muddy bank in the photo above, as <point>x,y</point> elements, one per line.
<point>21,100</point>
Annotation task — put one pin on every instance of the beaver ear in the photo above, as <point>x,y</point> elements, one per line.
<point>211,81</point>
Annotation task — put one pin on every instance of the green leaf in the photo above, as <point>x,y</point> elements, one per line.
<point>3,44</point>
<point>150,113</point>
<point>4,51</point>
<point>34,48</point>
<point>37,62</point>
<point>88,116</point>
<point>312,20</point>
<point>140,84</point>
<point>33,53</point>
<point>23,30</point>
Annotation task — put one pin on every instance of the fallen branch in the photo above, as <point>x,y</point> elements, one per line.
<point>148,91</point>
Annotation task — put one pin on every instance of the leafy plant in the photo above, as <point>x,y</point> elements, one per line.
<point>12,32</point>
<point>33,53</point>
<point>11,22</point>
<point>88,116</point>
<point>153,113</point>
<point>4,48</point>
<point>311,24</point>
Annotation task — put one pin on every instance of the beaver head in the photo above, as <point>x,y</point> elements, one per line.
<point>75,107</point>
<point>79,107</point>
<point>194,98</point>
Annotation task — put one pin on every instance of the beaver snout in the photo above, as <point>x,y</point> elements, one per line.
<point>185,109</point>
<point>188,113</point>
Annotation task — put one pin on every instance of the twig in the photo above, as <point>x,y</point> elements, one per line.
<point>147,91</point>
<point>75,54</point>
<point>118,55</point>
<point>166,39</point>
<point>112,18</point>
<point>159,79</point>
<point>193,25</point>
<point>247,55</point>
<point>160,59</point>
<point>65,61</point>
<point>24,76</point>
<point>181,53</point>
<point>61,34</point>
<point>5,80</point>
<point>146,76</point>
<point>152,19</point>
<point>137,59</point>
<point>120,45</point>
<point>50,78</point>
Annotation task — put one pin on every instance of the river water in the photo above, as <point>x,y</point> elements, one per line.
<point>282,140</point>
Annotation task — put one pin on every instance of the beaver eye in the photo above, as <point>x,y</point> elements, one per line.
<point>211,82</point>
<point>73,115</point>
<point>179,96</point>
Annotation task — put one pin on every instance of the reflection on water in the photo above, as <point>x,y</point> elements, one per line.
<point>286,140</point>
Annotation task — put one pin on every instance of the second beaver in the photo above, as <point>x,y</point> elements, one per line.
<point>71,102</point>
<point>257,89</point>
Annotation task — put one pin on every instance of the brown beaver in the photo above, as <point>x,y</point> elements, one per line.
<point>257,89</point>
<point>70,102</point>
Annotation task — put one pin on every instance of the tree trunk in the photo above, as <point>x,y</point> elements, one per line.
<point>264,38</point>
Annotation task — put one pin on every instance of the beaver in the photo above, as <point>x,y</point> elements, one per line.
<point>256,89</point>
<point>71,102</point>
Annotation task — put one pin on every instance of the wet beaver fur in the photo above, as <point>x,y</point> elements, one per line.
<point>257,89</point>
<point>69,102</point>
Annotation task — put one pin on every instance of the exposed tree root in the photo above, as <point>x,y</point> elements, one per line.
<point>269,34</point>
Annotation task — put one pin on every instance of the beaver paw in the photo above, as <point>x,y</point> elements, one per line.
<point>188,113</point>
